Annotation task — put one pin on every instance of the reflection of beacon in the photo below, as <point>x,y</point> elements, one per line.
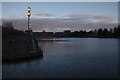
<point>29,14</point>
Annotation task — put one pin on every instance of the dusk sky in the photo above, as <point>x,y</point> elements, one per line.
<point>61,16</point>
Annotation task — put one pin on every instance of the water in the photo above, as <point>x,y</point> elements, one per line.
<point>70,58</point>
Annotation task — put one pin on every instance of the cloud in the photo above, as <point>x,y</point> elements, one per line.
<point>57,29</point>
<point>43,14</point>
<point>88,18</point>
<point>72,22</point>
<point>103,18</point>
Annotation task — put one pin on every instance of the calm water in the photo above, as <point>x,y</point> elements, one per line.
<point>71,58</point>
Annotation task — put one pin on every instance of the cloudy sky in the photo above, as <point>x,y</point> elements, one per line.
<point>60,16</point>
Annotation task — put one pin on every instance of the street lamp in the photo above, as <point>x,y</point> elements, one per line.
<point>29,14</point>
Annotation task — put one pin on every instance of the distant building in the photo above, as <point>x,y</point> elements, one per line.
<point>43,34</point>
<point>59,34</point>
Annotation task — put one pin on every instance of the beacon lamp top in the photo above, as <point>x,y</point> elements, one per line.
<point>29,14</point>
<point>29,9</point>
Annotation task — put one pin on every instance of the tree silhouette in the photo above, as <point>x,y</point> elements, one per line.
<point>67,33</point>
<point>117,31</point>
<point>99,32</point>
<point>8,31</point>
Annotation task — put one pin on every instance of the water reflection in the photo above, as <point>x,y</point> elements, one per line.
<point>73,58</point>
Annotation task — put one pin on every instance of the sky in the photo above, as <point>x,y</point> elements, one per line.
<point>60,16</point>
<point>60,0</point>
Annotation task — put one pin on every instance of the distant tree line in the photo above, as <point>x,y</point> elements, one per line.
<point>100,33</point>
<point>8,31</point>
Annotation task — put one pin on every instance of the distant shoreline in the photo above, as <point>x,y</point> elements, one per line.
<point>43,38</point>
<point>100,33</point>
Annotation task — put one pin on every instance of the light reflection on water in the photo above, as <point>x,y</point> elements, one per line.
<point>77,57</point>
